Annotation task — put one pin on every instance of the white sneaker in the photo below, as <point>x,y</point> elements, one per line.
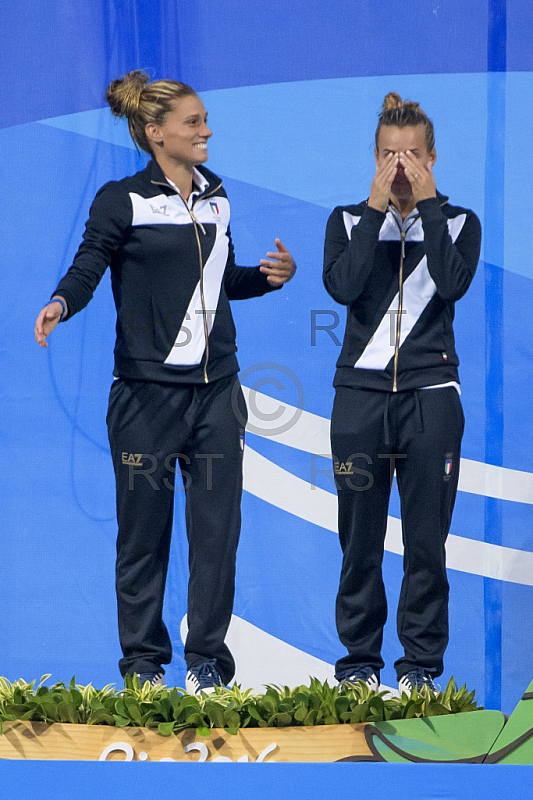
<point>362,673</point>
<point>153,678</point>
<point>203,678</point>
<point>417,677</point>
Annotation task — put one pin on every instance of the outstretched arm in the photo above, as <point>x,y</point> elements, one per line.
<point>109,217</point>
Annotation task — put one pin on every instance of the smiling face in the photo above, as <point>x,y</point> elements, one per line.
<point>183,137</point>
<point>398,140</point>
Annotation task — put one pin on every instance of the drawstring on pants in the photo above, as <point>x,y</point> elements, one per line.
<point>418,415</point>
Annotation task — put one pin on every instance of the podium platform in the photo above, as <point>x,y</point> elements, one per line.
<point>86,781</point>
<point>480,754</point>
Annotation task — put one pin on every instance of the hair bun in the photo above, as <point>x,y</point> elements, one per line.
<point>393,100</point>
<point>124,94</point>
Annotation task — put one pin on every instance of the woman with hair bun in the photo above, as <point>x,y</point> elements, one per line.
<point>176,402</point>
<point>399,261</point>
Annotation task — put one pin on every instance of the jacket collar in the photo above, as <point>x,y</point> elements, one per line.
<point>208,180</point>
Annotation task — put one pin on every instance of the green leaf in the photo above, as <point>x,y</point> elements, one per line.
<point>175,700</point>
<point>43,679</point>
<point>231,719</point>
<point>216,715</point>
<point>166,728</point>
<point>67,713</point>
<point>190,701</point>
<point>267,702</point>
<point>436,710</point>
<point>102,718</point>
<point>133,709</point>
<point>282,720</point>
<point>254,713</point>
<point>194,720</point>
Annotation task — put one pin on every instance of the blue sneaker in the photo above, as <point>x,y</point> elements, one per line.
<point>361,673</point>
<point>153,678</point>
<point>416,678</point>
<point>203,678</point>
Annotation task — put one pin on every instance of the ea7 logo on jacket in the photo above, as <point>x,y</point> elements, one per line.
<point>160,210</point>
<point>132,459</point>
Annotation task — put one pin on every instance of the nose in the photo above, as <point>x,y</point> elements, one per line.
<point>206,131</point>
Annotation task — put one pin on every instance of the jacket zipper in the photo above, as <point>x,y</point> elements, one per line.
<point>200,257</point>
<point>399,317</point>
<point>403,234</point>
<point>197,224</point>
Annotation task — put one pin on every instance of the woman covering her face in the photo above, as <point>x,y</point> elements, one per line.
<point>399,261</point>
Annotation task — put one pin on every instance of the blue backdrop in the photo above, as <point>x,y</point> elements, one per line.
<point>293,89</point>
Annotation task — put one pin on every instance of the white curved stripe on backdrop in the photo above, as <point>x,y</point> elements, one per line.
<point>275,485</point>
<point>310,433</point>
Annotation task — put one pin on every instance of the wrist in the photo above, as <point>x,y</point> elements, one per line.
<point>375,213</point>
<point>430,210</point>
<point>378,206</point>
<point>428,195</point>
<point>57,299</point>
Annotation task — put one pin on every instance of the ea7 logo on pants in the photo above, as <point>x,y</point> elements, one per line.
<point>343,467</point>
<point>132,459</point>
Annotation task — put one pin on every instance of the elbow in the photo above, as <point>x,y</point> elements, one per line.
<point>452,285</point>
<point>451,294</point>
<point>338,293</point>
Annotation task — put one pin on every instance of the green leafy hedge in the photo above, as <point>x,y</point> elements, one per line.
<point>170,710</point>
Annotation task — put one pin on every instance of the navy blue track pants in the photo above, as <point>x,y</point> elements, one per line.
<point>417,433</point>
<point>156,432</point>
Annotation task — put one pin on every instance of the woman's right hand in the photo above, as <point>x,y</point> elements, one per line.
<point>45,323</point>
<point>381,185</point>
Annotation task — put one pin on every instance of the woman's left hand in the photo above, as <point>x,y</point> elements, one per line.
<point>420,177</point>
<point>281,268</point>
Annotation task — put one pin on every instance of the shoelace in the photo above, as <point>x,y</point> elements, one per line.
<point>360,674</point>
<point>420,677</point>
<point>206,674</point>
